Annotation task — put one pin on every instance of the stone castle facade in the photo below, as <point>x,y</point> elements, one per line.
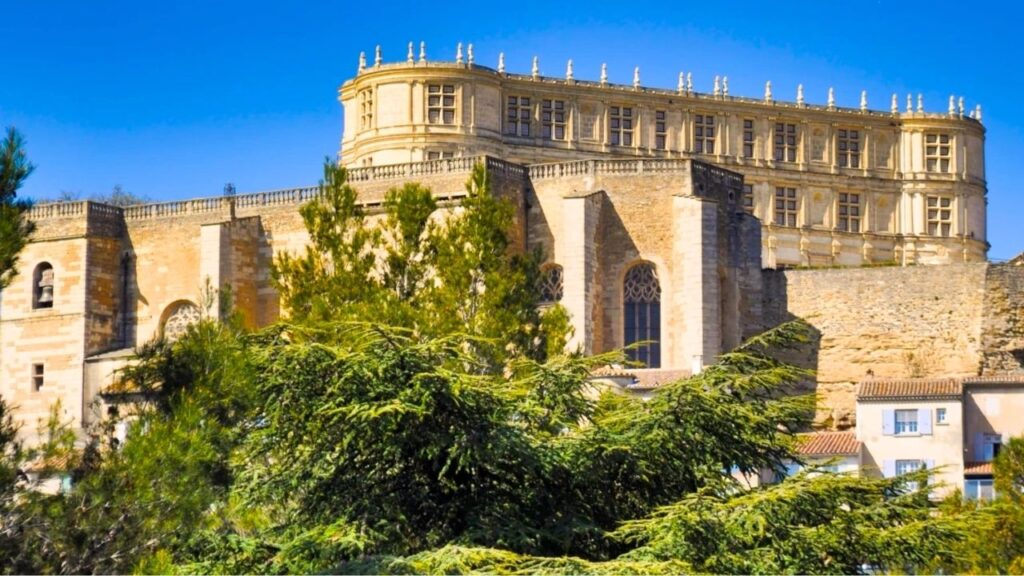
<point>690,219</point>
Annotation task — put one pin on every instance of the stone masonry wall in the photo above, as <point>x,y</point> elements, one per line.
<point>917,321</point>
<point>1002,336</point>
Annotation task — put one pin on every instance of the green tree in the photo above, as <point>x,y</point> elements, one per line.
<point>15,228</point>
<point>459,274</point>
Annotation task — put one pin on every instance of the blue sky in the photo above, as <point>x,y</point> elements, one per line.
<point>172,100</point>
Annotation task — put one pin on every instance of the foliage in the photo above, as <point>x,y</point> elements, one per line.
<point>460,276</point>
<point>15,228</point>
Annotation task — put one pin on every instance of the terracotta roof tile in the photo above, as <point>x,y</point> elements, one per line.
<point>884,388</point>
<point>641,378</point>
<point>828,444</point>
<point>978,468</point>
<point>995,379</point>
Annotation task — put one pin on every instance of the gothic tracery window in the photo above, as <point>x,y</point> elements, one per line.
<point>180,317</point>
<point>551,284</point>
<point>642,314</point>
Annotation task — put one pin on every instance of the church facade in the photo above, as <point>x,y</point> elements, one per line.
<point>657,211</point>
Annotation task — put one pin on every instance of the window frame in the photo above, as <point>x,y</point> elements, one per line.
<point>366,109</point>
<point>849,151</point>
<point>551,110</point>
<point>749,138</point>
<point>621,125</point>
<point>641,313</point>
<point>447,102</point>
<point>785,142</point>
<point>849,216</point>
<point>38,376</point>
<point>975,492</point>
<point>788,212</point>
<point>906,427</point>
<point>941,416</point>
<point>705,133</point>
<point>518,116</point>
<point>939,216</point>
<point>938,152</point>
<point>748,198</point>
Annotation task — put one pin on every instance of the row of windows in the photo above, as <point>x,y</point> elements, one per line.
<point>849,211</point>
<point>553,119</point>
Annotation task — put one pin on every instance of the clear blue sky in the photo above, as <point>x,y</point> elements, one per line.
<point>173,99</point>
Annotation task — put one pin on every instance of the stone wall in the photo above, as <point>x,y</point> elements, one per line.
<point>1002,336</point>
<point>916,321</point>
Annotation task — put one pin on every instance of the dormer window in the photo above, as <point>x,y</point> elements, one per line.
<point>42,286</point>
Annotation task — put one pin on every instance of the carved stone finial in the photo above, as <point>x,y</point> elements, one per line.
<point>768,91</point>
<point>952,105</point>
<point>362,61</point>
<point>920,102</point>
<point>725,86</point>
<point>423,52</point>
<point>681,86</point>
<point>501,62</point>
<point>800,94</point>
<point>535,70</point>
<point>636,78</point>
<point>568,70</point>
<point>895,106</point>
<point>458,53</point>
<point>409,57</point>
<point>469,54</point>
<point>863,100</point>
<point>377,58</point>
<point>977,112</point>
<point>604,73</point>
<point>831,97</point>
<point>689,82</point>
<point>910,104</point>
<point>715,89</point>
<point>960,106</point>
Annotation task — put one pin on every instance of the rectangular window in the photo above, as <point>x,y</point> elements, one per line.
<point>849,212</point>
<point>660,132</point>
<point>979,489</point>
<point>37,377</point>
<point>621,126</point>
<point>906,423</point>
<point>785,142</point>
<point>990,448</point>
<point>704,134</point>
<point>940,416</point>
<point>439,154</point>
<point>848,143</point>
<point>785,206</point>
<point>748,138</point>
<point>748,198</point>
<point>940,215</point>
<point>552,116</point>
<point>908,466</point>
<point>441,103</point>
<point>936,152</point>
<point>517,118</point>
<point>366,109</point>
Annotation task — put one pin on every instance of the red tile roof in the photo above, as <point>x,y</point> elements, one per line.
<point>978,468</point>
<point>885,388</point>
<point>641,378</point>
<point>828,444</point>
<point>995,379</point>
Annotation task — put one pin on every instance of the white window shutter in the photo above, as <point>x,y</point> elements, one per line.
<point>888,422</point>
<point>924,421</point>
<point>889,468</point>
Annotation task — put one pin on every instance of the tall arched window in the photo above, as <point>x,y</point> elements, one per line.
<point>42,286</point>
<point>642,313</point>
<point>550,284</point>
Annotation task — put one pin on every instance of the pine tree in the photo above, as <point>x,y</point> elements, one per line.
<point>15,229</point>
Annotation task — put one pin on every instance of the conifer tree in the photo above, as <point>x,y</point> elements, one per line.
<point>15,229</point>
